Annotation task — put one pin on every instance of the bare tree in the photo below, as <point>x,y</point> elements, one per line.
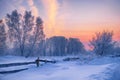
<point>13,22</point>
<point>103,43</point>
<point>2,38</point>
<point>24,31</point>
<point>20,27</point>
<point>38,35</point>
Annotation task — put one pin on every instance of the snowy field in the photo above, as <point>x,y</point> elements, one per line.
<point>96,69</point>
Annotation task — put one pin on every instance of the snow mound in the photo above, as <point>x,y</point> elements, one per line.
<point>104,60</point>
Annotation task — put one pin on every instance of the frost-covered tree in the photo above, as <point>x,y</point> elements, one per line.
<point>40,50</point>
<point>103,43</point>
<point>20,27</point>
<point>23,30</point>
<point>56,46</point>
<point>2,38</point>
<point>60,46</point>
<point>49,47</point>
<point>38,35</point>
<point>74,46</point>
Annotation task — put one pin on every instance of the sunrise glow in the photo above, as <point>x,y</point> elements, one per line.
<point>72,18</point>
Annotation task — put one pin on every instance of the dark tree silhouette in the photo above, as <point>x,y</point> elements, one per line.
<point>23,30</point>
<point>2,38</point>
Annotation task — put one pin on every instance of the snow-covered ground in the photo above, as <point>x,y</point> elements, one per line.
<point>96,69</point>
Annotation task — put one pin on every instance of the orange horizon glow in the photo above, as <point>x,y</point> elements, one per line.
<point>85,35</point>
<point>72,18</point>
<point>78,23</point>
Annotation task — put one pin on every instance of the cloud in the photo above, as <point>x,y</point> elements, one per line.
<point>51,7</point>
<point>33,7</point>
<point>54,25</point>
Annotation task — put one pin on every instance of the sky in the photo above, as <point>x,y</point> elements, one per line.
<point>70,18</point>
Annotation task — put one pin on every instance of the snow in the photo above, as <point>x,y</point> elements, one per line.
<point>104,60</point>
<point>14,59</point>
<point>71,70</point>
<point>115,75</point>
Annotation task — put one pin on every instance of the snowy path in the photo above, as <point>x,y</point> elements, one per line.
<point>60,71</point>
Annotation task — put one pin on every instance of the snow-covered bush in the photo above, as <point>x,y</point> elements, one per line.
<point>103,43</point>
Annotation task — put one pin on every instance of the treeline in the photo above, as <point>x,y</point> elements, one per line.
<point>60,46</point>
<point>22,34</point>
<point>56,46</point>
